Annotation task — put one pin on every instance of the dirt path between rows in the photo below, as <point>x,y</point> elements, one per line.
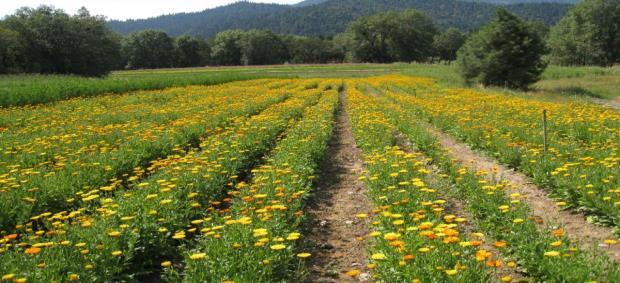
<point>542,207</point>
<point>613,103</point>
<point>335,234</point>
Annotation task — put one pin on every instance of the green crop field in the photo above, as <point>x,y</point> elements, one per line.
<point>391,172</point>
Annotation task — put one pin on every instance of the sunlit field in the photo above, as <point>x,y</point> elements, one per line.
<point>216,174</point>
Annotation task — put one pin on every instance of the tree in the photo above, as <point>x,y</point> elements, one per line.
<point>589,34</point>
<point>191,51</point>
<point>55,42</point>
<point>412,35</point>
<point>263,47</point>
<point>448,43</point>
<point>226,48</point>
<point>506,52</point>
<point>11,51</point>
<point>312,50</point>
<point>148,49</point>
<point>393,36</point>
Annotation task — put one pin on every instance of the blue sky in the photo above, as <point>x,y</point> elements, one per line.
<point>125,9</point>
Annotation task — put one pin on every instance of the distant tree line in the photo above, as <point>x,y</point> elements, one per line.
<point>46,40</point>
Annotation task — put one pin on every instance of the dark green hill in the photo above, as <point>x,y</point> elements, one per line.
<point>331,17</point>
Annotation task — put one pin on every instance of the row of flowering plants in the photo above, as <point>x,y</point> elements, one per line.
<point>581,165</point>
<point>415,236</point>
<point>60,152</point>
<point>126,236</point>
<point>255,239</point>
<point>541,252</point>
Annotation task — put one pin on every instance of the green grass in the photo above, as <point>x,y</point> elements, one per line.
<point>557,82</point>
<point>595,82</point>
<point>36,89</point>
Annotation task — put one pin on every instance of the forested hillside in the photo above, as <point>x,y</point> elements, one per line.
<point>523,1</point>
<point>309,3</point>
<point>331,17</point>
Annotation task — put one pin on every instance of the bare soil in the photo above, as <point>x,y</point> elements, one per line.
<point>543,208</point>
<point>613,103</point>
<point>335,234</point>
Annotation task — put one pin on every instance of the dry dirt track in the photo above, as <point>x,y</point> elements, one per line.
<point>542,207</point>
<point>335,233</point>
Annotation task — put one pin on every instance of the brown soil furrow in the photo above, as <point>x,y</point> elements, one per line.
<point>541,205</point>
<point>334,232</point>
<point>613,103</point>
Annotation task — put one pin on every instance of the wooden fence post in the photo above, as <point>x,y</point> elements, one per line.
<point>545,142</point>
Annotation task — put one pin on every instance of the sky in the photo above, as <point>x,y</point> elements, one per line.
<point>125,9</point>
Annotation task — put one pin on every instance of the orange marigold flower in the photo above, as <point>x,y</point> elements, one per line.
<point>32,251</point>
<point>559,232</point>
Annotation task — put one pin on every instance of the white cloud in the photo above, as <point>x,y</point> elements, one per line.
<point>125,9</point>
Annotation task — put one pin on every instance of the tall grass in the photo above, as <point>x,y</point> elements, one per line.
<point>18,90</point>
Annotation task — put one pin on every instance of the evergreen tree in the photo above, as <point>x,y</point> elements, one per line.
<point>506,52</point>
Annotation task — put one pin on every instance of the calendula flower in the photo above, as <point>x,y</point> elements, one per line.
<point>378,256</point>
<point>114,234</point>
<point>117,253</point>
<point>32,251</point>
<point>198,256</point>
<point>552,253</point>
<point>278,247</point>
<point>303,255</point>
<point>353,273</point>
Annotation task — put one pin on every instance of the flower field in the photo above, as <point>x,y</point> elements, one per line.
<point>212,184</point>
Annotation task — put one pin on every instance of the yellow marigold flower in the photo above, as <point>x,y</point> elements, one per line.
<point>278,247</point>
<point>424,250</point>
<point>610,242</point>
<point>117,253</point>
<point>451,272</point>
<point>378,256</point>
<point>552,253</point>
<point>20,280</point>
<point>114,234</point>
<point>73,277</point>
<point>198,256</point>
<point>293,236</point>
<point>391,236</point>
<point>303,255</point>
<point>166,264</point>
<point>7,277</point>
<point>518,221</point>
<point>361,215</point>
<point>506,279</point>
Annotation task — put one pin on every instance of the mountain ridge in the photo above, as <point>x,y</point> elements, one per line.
<point>329,16</point>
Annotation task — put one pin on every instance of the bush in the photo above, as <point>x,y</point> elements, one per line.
<point>506,52</point>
